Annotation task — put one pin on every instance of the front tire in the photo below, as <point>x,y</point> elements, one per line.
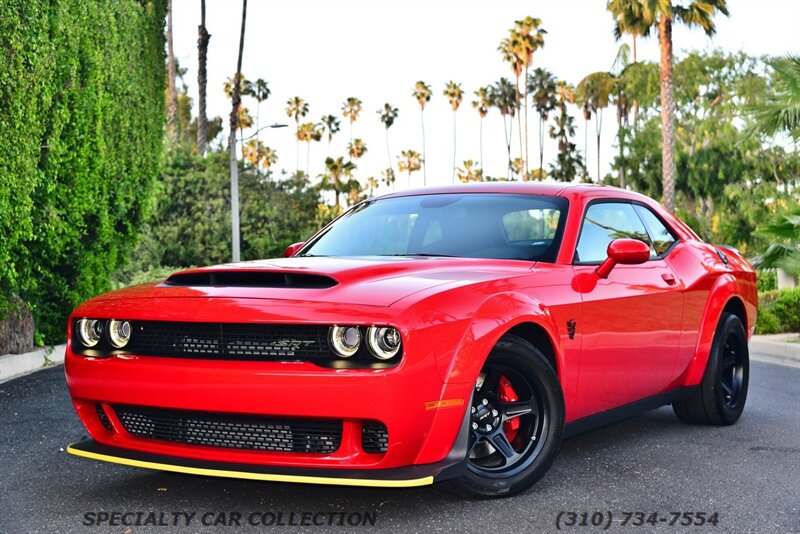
<point>723,391</point>
<point>517,420</point>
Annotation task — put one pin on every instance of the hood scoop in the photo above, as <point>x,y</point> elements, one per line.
<point>250,279</point>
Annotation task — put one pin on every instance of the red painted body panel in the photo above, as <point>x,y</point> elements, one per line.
<point>636,336</point>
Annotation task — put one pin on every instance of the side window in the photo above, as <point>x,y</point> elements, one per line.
<point>660,235</point>
<point>605,222</point>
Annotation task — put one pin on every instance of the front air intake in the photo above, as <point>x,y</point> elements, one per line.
<point>251,279</point>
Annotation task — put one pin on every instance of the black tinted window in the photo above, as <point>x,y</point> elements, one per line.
<point>605,222</point>
<point>473,225</point>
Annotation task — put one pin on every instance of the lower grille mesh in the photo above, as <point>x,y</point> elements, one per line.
<point>103,417</point>
<point>374,437</point>
<point>232,431</point>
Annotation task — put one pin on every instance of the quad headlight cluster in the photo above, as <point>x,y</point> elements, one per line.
<point>383,342</point>
<point>93,331</point>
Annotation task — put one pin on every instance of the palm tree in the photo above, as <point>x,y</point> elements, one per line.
<point>296,108</point>
<point>236,100</point>
<point>356,149</point>
<point>372,184</point>
<point>172,92</point>
<point>245,120</point>
<point>308,132</point>
<point>388,177</point>
<point>662,13</point>
<point>628,19</point>
<point>784,249</point>
<point>388,115</point>
<point>260,91</point>
<point>336,169</point>
<point>510,48</point>
<point>259,155</point>
<point>454,95</point>
<point>422,92</point>
<point>594,92</point>
<point>351,109</point>
<point>331,124</point>
<point>504,98</point>
<point>780,113</point>
<point>482,103</point>
<point>542,84</point>
<point>470,172</point>
<point>409,161</point>
<point>202,80</point>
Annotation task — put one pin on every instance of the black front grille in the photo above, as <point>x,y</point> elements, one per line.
<point>260,342</point>
<point>232,431</point>
<point>374,437</point>
<point>103,417</point>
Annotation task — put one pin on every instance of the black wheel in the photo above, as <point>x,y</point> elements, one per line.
<point>723,391</point>
<point>517,418</point>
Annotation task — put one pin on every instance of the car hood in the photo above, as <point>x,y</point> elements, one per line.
<point>364,280</point>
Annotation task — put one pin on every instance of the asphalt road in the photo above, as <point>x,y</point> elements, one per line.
<point>749,474</point>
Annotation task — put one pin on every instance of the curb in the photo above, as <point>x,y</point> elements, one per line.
<point>15,365</point>
<point>775,349</point>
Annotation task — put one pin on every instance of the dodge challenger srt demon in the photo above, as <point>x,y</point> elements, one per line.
<point>452,335</point>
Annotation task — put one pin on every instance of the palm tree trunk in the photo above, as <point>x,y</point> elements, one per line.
<point>389,152</point>
<point>172,92</point>
<point>621,129</point>
<point>667,112</point>
<point>308,156</point>
<point>454,147</point>
<point>541,143</point>
<point>236,101</point>
<point>202,80</point>
<point>525,102</point>
<point>598,127</point>
<point>480,137</point>
<point>424,155</point>
<point>635,102</point>
<point>519,117</point>
<point>297,146</point>
<point>336,190</point>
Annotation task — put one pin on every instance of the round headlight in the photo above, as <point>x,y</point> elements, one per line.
<point>90,331</point>
<point>344,340</point>
<point>383,341</point>
<point>119,332</point>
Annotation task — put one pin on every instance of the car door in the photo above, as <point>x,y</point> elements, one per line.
<point>631,327</point>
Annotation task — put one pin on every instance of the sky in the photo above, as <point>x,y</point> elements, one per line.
<point>328,50</point>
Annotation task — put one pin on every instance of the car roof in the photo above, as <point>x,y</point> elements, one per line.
<point>527,188</point>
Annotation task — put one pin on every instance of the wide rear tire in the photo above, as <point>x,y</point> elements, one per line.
<point>723,391</point>
<point>517,420</point>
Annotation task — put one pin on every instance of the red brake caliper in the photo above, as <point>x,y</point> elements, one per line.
<point>507,394</point>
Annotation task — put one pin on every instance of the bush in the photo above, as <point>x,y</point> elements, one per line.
<point>767,323</point>
<point>81,130</point>
<point>767,281</point>
<point>787,310</point>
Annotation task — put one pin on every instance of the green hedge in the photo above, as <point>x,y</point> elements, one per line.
<point>779,311</point>
<point>81,131</point>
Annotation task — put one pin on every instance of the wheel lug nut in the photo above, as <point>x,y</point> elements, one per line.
<point>494,413</point>
<point>473,409</point>
<point>488,427</point>
<point>484,402</point>
<point>474,426</point>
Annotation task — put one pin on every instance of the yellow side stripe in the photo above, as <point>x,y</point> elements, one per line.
<point>410,483</point>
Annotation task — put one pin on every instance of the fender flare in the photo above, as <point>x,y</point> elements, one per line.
<point>724,289</point>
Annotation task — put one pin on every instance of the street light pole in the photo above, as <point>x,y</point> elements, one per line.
<point>235,252</point>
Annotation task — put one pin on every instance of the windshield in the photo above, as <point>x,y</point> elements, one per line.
<point>472,225</point>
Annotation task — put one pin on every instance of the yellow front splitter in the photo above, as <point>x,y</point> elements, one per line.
<point>94,451</point>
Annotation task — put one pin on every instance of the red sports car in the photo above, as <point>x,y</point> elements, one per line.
<point>453,334</point>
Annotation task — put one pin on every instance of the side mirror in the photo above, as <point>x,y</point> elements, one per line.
<point>292,249</point>
<point>624,252</point>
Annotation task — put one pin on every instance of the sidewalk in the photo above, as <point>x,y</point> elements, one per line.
<point>16,365</point>
<point>776,348</point>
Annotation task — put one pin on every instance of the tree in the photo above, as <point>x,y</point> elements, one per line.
<point>259,155</point>
<point>308,132</point>
<point>172,92</point>
<point>296,108</point>
<point>454,95</point>
<point>593,93</point>
<point>542,85</point>
<point>784,249</point>
<point>356,149</point>
<point>244,121</point>
<point>662,13</point>
<point>331,125</point>
<point>351,109</point>
<point>422,92</point>
<point>336,169</point>
<point>203,38</point>
<point>236,100</point>
<point>780,112</point>
<point>629,19</point>
<point>470,172</point>
<point>388,177</point>
<point>568,161</point>
<point>260,91</point>
<point>504,99</point>
<point>409,161</point>
<point>482,103</point>
<point>388,115</point>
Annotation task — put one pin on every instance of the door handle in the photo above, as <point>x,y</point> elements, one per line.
<point>668,278</point>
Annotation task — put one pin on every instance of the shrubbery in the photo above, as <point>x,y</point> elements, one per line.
<point>81,129</point>
<point>779,311</point>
